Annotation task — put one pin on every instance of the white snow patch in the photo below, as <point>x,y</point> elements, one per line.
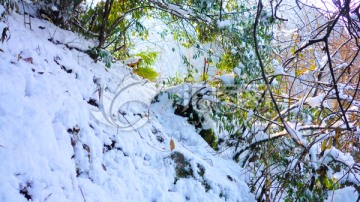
<point>344,194</point>
<point>279,70</point>
<point>223,24</point>
<point>227,79</point>
<point>315,101</point>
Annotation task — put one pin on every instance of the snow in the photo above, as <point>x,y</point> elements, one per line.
<point>315,101</point>
<point>312,153</point>
<point>183,12</point>
<point>250,114</point>
<point>323,61</point>
<point>336,154</point>
<point>54,146</point>
<point>294,133</point>
<point>353,16</point>
<point>340,66</point>
<point>227,79</point>
<point>345,194</point>
<point>279,70</point>
<point>131,61</point>
<point>223,24</point>
<point>237,71</point>
<point>54,8</point>
<point>2,10</point>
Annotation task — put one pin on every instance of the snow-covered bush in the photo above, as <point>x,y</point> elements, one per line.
<point>59,12</point>
<point>290,115</point>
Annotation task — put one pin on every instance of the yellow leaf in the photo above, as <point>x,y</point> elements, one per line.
<point>323,145</point>
<point>336,138</point>
<point>326,144</point>
<point>299,72</point>
<point>172,144</point>
<point>293,49</point>
<point>312,65</point>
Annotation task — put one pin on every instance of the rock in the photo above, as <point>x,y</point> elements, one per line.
<point>183,168</point>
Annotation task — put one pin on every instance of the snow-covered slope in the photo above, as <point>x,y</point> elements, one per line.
<point>56,144</point>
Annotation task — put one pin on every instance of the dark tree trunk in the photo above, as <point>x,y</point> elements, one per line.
<point>102,34</point>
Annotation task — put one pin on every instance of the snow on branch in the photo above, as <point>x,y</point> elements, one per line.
<point>184,13</point>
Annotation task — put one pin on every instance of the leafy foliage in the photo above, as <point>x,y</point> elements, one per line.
<point>148,58</point>
<point>147,72</point>
<point>145,69</point>
<point>102,55</point>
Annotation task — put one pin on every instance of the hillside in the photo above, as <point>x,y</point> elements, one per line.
<point>56,144</point>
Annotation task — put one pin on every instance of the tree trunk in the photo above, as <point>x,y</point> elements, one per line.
<point>102,34</point>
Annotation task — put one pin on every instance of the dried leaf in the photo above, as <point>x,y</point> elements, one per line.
<point>28,60</point>
<point>254,158</point>
<point>19,56</point>
<point>172,144</point>
<point>337,138</point>
<point>45,17</point>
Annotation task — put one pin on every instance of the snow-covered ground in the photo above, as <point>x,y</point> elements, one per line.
<point>57,145</point>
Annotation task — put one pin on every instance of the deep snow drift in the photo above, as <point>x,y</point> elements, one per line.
<point>57,145</point>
